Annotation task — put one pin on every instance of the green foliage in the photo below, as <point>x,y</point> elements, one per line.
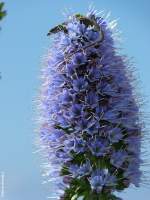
<point>2,12</point>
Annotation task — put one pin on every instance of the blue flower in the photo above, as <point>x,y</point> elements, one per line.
<point>111,115</point>
<point>118,158</point>
<point>110,180</point>
<point>80,170</point>
<point>64,41</point>
<point>133,174</point>
<point>79,59</point>
<point>79,145</point>
<point>75,29</point>
<point>56,136</point>
<point>72,30</point>
<point>101,178</point>
<point>68,145</point>
<point>106,70</point>
<point>73,169</point>
<point>62,121</point>
<point>76,110</point>
<point>115,135</point>
<point>83,124</point>
<point>109,90</point>
<point>91,99</point>
<point>58,80</point>
<point>80,84</point>
<point>89,118</point>
<point>81,28</point>
<point>134,144</point>
<point>99,111</point>
<point>63,156</point>
<point>94,74</point>
<point>92,35</point>
<point>66,97</point>
<point>97,180</point>
<point>99,147</point>
<point>93,128</point>
<point>85,168</point>
<point>70,69</point>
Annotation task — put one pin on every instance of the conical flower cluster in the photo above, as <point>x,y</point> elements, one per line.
<point>90,117</point>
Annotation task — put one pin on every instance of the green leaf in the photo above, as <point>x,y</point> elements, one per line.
<point>2,12</point>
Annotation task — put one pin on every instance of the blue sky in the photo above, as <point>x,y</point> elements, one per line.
<point>23,42</point>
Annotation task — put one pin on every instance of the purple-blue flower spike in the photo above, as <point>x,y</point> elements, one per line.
<point>90,126</point>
